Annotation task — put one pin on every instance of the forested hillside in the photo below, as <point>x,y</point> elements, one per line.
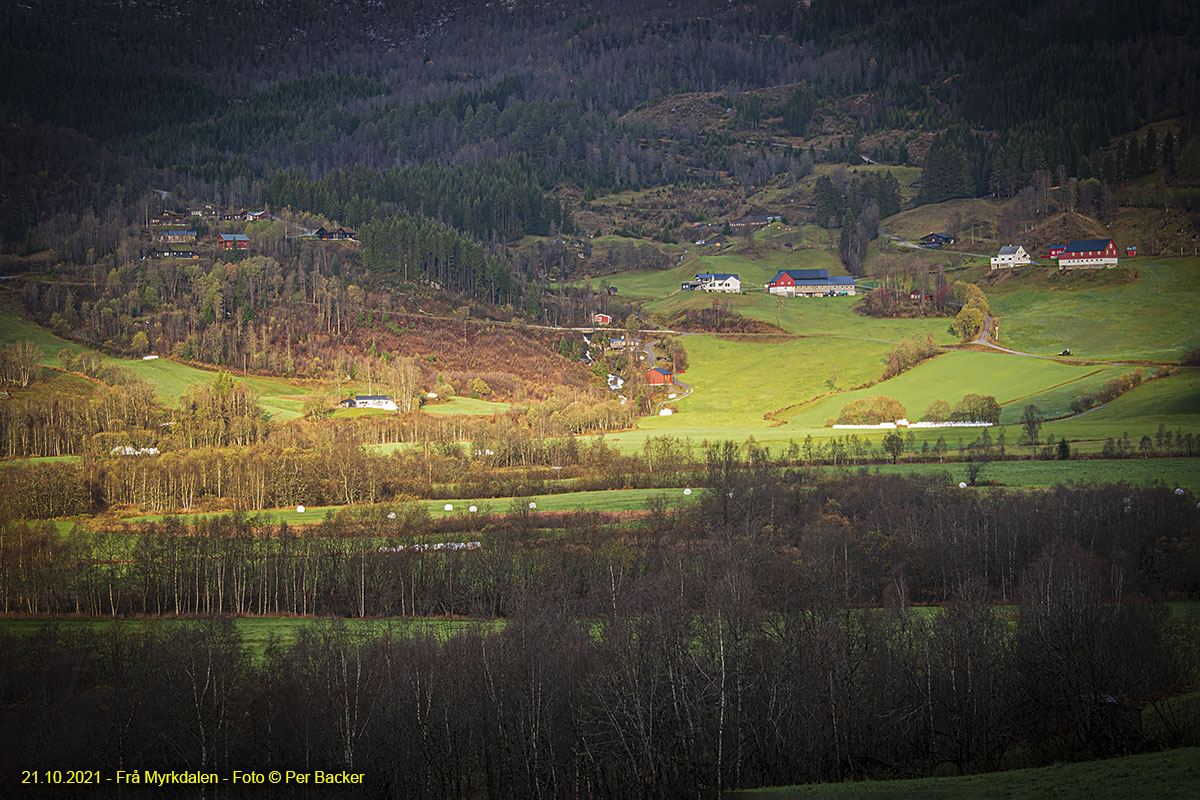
<point>250,91</point>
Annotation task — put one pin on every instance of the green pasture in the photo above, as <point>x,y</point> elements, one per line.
<point>1171,472</point>
<point>24,462</point>
<point>1173,401</point>
<point>466,406</point>
<point>14,328</point>
<point>830,316</point>
<point>646,283</point>
<point>258,632</point>
<point>1168,775</point>
<point>834,316</point>
<point>604,500</point>
<point>1151,318</point>
<point>356,413</point>
<point>170,379</point>
<point>736,382</point>
<point>754,266</point>
<point>1015,381</point>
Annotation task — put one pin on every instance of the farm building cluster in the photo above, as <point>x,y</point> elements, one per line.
<point>172,235</point>
<point>810,283</point>
<point>1077,254</point>
<point>379,401</point>
<point>786,283</point>
<point>713,282</point>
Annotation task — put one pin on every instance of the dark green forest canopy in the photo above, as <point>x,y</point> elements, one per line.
<point>360,112</point>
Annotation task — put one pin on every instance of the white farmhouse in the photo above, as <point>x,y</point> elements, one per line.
<point>382,401</point>
<point>714,282</point>
<point>1012,255</point>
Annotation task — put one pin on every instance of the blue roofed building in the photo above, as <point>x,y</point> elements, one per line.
<point>810,283</point>
<point>1088,254</point>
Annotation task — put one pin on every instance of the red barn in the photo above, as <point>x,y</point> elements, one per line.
<point>601,319</point>
<point>1088,254</point>
<point>659,377</point>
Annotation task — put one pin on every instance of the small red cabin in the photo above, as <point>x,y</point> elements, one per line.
<point>601,319</point>
<point>659,377</point>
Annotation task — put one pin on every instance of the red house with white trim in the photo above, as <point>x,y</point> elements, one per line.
<point>601,319</point>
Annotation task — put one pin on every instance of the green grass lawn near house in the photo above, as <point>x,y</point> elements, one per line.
<point>1151,318</point>
<point>356,413</point>
<point>754,266</point>
<point>466,406</point>
<point>1169,775</point>
<point>757,266</point>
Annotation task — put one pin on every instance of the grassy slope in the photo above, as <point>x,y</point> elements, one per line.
<point>1097,314</point>
<point>1173,402</point>
<point>1151,318</point>
<point>826,316</point>
<point>1012,380</point>
<point>916,222</point>
<point>466,405</point>
<point>1173,472</point>
<point>611,500</point>
<point>1166,775</point>
<point>279,398</point>
<point>736,382</point>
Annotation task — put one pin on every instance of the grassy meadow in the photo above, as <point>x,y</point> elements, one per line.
<point>1111,315</point>
<point>1015,381</point>
<point>736,382</point>
<point>1171,472</point>
<point>1173,402</point>
<point>607,500</point>
<point>258,632</point>
<point>916,222</point>
<point>1106,314</point>
<point>1168,775</point>
<point>469,406</point>
<point>279,398</point>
